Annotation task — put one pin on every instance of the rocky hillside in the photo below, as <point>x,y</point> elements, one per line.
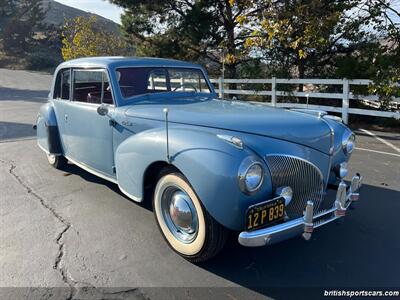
<point>58,12</point>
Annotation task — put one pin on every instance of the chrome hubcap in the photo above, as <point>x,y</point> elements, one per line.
<point>179,214</point>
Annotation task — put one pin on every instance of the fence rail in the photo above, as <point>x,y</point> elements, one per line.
<point>346,96</point>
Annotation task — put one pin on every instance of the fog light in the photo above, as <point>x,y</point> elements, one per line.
<point>286,192</point>
<point>341,170</point>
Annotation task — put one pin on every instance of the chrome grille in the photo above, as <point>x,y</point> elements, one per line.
<point>303,177</point>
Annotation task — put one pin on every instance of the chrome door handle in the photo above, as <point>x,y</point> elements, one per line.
<point>66,117</point>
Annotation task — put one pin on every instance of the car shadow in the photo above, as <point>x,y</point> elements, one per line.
<point>10,94</point>
<point>360,250</point>
<point>12,130</point>
<point>75,170</point>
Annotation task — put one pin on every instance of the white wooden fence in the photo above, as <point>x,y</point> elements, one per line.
<point>346,96</point>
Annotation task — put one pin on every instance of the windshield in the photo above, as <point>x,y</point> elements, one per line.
<point>139,81</point>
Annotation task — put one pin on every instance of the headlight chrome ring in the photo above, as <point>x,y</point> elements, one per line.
<point>348,142</point>
<point>251,175</point>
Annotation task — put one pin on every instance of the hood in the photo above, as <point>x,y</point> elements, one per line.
<point>239,116</point>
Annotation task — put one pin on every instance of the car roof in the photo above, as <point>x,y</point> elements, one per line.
<point>118,62</point>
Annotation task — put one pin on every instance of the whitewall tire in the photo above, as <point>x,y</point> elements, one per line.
<point>185,224</point>
<point>57,161</point>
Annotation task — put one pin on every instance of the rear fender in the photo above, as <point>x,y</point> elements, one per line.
<point>48,136</point>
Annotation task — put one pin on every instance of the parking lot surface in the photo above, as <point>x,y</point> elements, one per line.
<point>64,230</point>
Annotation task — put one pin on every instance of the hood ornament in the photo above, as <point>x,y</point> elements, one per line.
<point>237,142</point>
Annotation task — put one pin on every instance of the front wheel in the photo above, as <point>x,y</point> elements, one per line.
<point>57,161</point>
<point>185,224</point>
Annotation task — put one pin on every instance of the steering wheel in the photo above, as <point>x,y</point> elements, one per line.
<point>185,84</point>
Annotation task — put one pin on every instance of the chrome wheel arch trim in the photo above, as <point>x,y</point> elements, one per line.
<point>134,198</point>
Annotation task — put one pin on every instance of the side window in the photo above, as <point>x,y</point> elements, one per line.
<point>63,84</point>
<point>91,86</point>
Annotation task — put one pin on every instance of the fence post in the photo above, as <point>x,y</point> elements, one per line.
<point>183,83</point>
<point>221,87</point>
<point>273,92</point>
<point>345,102</point>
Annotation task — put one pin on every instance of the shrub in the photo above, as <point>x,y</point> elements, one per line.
<point>42,61</point>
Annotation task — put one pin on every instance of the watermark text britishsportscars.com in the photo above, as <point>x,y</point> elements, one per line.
<point>362,293</point>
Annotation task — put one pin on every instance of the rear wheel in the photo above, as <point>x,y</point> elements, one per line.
<point>57,161</point>
<point>185,224</point>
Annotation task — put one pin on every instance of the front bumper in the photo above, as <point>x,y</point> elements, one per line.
<point>304,226</point>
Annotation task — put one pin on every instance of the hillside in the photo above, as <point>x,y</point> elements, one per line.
<point>43,51</point>
<point>59,12</point>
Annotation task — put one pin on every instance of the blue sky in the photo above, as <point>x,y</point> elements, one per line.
<point>100,7</point>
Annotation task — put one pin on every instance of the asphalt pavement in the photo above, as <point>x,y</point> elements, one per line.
<point>68,234</point>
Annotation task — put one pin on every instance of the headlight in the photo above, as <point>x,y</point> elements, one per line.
<point>348,142</point>
<point>251,175</point>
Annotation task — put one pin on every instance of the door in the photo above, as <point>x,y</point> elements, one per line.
<point>89,136</point>
<point>61,98</point>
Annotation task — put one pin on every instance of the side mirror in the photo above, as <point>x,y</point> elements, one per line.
<point>102,110</point>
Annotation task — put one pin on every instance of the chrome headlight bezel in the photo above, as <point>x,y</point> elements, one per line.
<point>348,142</point>
<point>247,164</point>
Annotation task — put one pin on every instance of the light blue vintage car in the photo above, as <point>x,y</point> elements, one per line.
<point>156,128</point>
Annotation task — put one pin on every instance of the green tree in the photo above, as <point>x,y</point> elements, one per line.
<point>82,37</point>
<point>19,19</point>
<point>311,36</point>
<point>209,31</point>
<point>303,33</point>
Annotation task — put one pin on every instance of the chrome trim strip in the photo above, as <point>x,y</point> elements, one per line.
<point>331,150</point>
<point>130,195</point>
<point>92,171</point>
<point>233,140</point>
<point>314,112</point>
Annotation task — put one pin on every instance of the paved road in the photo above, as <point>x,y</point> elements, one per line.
<point>69,229</point>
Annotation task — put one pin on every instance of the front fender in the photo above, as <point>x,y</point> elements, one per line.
<point>209,163</point>
<point>48,136</point>
<point>338,155</point>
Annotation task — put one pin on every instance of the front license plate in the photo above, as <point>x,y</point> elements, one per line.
<point>266,213</point>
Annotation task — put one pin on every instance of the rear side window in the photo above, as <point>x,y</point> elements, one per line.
<point>91,86</point>
<point>63,85</point>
